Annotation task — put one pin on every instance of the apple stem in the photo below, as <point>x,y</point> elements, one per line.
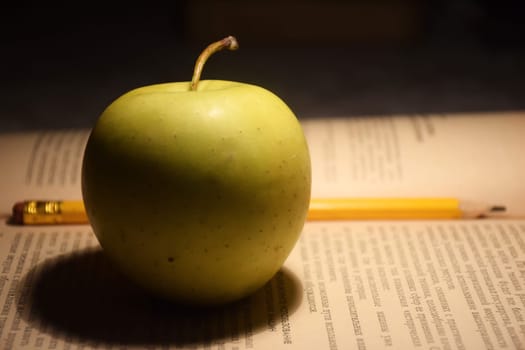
<point>229,43</point>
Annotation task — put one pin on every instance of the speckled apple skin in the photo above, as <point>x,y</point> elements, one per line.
<point>198,196</point>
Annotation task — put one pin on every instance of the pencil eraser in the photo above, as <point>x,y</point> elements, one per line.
<point>18,213</point>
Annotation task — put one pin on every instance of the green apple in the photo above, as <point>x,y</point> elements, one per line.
<point>197,191</point>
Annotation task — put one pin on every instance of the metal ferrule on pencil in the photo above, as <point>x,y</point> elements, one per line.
<point>39,212</point>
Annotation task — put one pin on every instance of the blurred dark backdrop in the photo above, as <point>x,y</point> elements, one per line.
<point>61,64</point>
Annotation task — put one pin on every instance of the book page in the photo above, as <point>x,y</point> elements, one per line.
<point>472,157</point>
<point>346,285</point>
<point>40,165</point>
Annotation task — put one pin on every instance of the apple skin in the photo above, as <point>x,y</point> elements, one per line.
<point>197,196</point>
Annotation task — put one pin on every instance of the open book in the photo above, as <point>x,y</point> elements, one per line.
<point>443,284</point>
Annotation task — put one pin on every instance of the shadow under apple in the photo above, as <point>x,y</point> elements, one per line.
<point>80,296</point>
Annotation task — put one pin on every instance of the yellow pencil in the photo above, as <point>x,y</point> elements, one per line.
<point>52,212</point>
<point>396,208</point>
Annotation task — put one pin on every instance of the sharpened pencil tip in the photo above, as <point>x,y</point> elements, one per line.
<point>498,208</point>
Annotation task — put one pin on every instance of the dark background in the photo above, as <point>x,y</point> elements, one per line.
<point>62,63</point>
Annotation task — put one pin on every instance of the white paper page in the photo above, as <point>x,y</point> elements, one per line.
<point>477,158</point>
<point>345,286</point>
<point>40,165</point>
<point>360,285</point>
<point>473,157</point>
